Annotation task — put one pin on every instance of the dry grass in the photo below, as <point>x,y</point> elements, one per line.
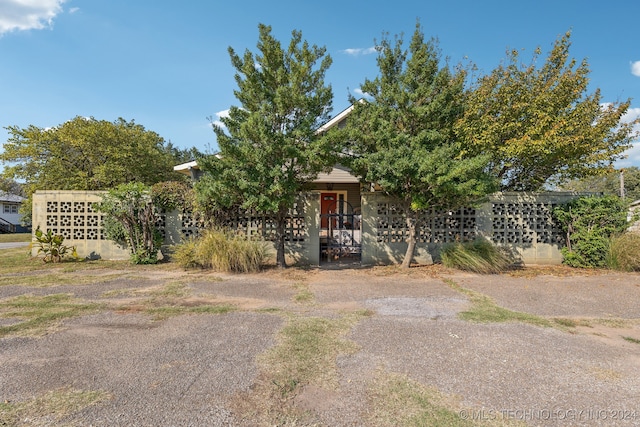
<point>36,315</point>
<point>172,299</point>
<point>624,252</point>
<point>398,401</point>
<point>50,408</point>
<point>304,294</point>
<point>222,251</point>
<point>306,354</point>
<point>15,237</point>
<point>478,256</point>
<point>555,270</point>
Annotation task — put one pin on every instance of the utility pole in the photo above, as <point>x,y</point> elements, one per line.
<point>622,184</point>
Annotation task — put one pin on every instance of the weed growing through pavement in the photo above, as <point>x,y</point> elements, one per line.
<point>173,299</point>
<point>485,310</point>
<point>630,339</point>
<point>36,315</point>
<point>397,400</point>
<point>306,354</point>
<point>304,295</point>
<point>49,408</point>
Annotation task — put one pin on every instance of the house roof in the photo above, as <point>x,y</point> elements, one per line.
<point>339,174</point>
<point>339,118</point>
<point>11,198</point>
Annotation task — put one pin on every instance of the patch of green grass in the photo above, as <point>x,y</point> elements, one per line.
<point>399,401</point>
<point>269,310</point>
<point>172,300</point>
<point>172,290</point>
<point>165,312</point>
<point>15,237</point>
<point>307,351</point>
<point>56,279</point>
<point>49,408</point>
<point>630,339</point>
<point>19,260</point>
<point>304,295</point>
<point>305,354</point>
<point>38,314</point>
<point>568,323</point>
<point>485,310</point>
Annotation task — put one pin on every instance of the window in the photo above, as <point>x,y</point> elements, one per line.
<point>10,209</point>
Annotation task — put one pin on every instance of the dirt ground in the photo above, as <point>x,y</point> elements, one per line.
<point>208,369</point>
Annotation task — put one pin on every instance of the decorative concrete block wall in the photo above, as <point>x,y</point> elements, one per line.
<point>520,222</point>
<point>71,214</point>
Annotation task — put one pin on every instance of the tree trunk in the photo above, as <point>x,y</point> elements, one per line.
<point>281,220</point>
<point>411,240</point>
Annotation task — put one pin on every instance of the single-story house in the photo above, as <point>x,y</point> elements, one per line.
<point>354,220</point>
<point>340,200</point>
<point>9,213</point>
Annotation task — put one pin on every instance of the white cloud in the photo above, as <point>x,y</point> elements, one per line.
<point>631,115</point>
<point>220,115</point>
<point>74,9</point>
<point>633,154</point>
<point>28,14</point>
<point>358,91</point>
<point>360,51</point>
<point>635,68</point>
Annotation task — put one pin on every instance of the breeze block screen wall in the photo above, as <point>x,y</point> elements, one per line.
<point>521,222</point>
<point>71,214</point>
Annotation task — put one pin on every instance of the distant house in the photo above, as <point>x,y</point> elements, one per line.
<point>9,216</point>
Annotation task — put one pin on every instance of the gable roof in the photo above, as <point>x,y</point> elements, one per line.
<point>11,198</point>
<point>339,174</point>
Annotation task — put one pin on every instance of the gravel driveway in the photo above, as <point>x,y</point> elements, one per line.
<point>192,369</point>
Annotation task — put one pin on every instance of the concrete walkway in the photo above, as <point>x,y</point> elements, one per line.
<point>11,245</point>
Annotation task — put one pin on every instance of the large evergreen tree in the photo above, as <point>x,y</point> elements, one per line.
<point>269,148</point>
<point>539,122</point>
<point>402,138</point>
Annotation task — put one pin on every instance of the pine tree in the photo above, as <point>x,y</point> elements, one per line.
<point>269,149</point>
<point>402,137</point>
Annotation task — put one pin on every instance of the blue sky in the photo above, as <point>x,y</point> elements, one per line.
<point>165,64</point>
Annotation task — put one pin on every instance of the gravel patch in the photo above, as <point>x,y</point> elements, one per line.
<point>504,367</point>
<point>189,369</point>
<point>432,308</point>
<point>605,295</point>
<point>176,372</point>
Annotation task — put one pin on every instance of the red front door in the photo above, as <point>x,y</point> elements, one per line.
<point>327,202</point>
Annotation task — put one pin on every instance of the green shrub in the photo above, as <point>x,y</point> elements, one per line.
<point>185,254</point>
<point>479,256</point>
<point>222,251</point>
<point>51,245</point>
<point>589,223</point>
<point>130,221</point>
<point>624,252</point>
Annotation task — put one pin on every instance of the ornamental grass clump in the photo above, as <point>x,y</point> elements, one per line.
<point>624,252</point>
<point>479,256</point>
<point>222,250</point>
